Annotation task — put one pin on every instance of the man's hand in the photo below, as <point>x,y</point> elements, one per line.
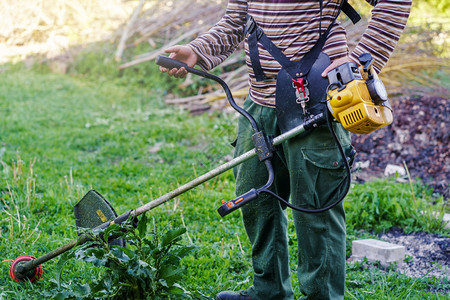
<point>184,54</point>
<point>336,64</point>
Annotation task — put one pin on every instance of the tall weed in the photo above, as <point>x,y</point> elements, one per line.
<point>149,267</point>
<point>18,197</point>
<point>381,205</point>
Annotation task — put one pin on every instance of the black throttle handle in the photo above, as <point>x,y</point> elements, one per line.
<point>232,205</point>
<point>170,63</point>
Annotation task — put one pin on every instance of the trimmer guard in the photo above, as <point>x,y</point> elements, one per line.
<point>92,211</point>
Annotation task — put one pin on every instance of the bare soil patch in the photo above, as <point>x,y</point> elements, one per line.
<point>426,254</point>
<point>418,137</point>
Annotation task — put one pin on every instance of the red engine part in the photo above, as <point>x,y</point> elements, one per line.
<point>31,275</point>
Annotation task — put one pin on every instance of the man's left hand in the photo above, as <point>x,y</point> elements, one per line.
<point>336,64</point>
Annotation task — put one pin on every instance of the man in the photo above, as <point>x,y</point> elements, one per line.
<point>307,169</point>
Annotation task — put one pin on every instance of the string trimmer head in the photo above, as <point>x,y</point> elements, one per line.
<point>93,211</point>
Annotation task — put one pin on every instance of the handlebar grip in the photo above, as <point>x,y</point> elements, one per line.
<point>234,204</point>
<point>170,63</point>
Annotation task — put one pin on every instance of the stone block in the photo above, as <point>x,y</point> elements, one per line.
<point>375,250</point>
<point>446,220</point>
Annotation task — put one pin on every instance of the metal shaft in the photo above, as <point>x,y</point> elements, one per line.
<point>215,172</point>
<point>29,265</point>
<point>23,268</point>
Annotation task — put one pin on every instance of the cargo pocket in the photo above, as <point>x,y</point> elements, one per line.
<point>328,157</point>
<point>326,171</point>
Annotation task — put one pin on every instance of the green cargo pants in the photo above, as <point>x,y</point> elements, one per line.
<point>309,172</point>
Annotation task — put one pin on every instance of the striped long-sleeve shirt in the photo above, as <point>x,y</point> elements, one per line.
<point>293,26</point>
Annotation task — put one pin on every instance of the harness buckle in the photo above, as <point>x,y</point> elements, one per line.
<point>301,90</point>
<point>250,26</point>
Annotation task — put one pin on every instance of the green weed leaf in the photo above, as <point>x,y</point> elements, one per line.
<point>65,257</point>
<point>81,290</point>
<point>149,267</point>
<point>142,226</point>
<point>172,236</point>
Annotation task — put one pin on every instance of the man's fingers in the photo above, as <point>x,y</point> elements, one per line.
<point>178,73</point>
<point>172,49</point>
<point>181,73</point>
<point>336,64</point>
<point>172,72</point>
<point>328,69</point>
<point>183,54</point>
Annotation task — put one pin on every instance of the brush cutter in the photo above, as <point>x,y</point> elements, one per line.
<point>95,212</point>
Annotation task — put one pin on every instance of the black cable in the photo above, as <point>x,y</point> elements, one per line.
<point>347,167</point>
<point>171,63</point>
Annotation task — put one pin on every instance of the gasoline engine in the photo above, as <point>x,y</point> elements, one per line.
<point>357,98</point>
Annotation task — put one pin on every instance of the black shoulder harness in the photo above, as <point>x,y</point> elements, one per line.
<point>256,34</point>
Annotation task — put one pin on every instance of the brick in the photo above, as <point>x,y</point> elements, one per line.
<point>375,250</point>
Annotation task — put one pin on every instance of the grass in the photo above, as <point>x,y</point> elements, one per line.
<point>373,283</point>
<point>63,135</point>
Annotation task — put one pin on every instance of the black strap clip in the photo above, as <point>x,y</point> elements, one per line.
<point>263,145</point>
<point>251,27</point>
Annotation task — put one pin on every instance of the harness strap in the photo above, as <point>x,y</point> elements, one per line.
<point>351,13</point>
<point>256,34</point>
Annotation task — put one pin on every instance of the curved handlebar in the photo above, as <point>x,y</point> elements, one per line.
<point>171,63</point>
<point>231,205</point>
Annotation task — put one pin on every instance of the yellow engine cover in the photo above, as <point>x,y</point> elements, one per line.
<point>355,110</point>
